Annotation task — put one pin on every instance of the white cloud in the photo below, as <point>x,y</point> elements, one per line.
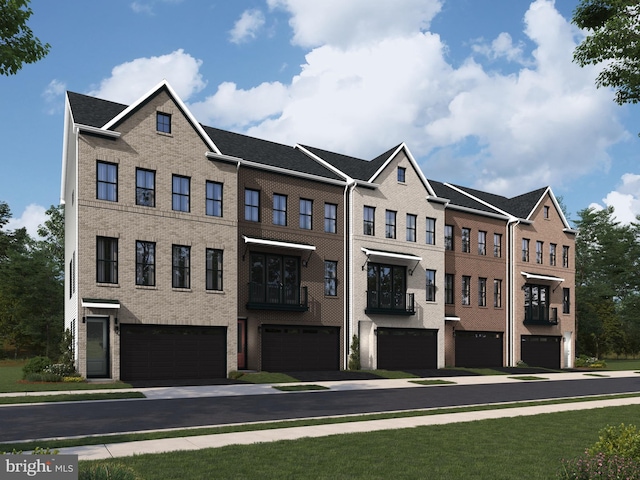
<point>625,200</point>
<point>146,7</point>
<point>130,80</point>
<point>32,217</point>
<point>247,26</point>
<point>501,47</point>
<point>53,96</point>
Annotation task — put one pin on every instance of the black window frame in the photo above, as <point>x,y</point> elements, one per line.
<point>402,175</point>
<point>279,209</point>
<point>539,251</point>
<point>448,237</point>
<point>178,270</point>
<point>214,192</point>
<point>430,231</point>
<point>430,285</point>
<point>306,214</point>
<point>466,290</point>
<point>482,242</point>
<point>537,300</point>
<point>178,196</point>
<point>331,278</point>
<point>482,292</point>
<point>390,219</point>
<point>145,263</point>
<point>251,205</point>
<point>107,260</point>
<point>369,220</point>
<point>412,227</point>
<point>214,270</point>
<point>465,238</point>
<point>330,218</point>
<point>449,288</point>
<point>525,249</point>
<point>163,122</point>
<point>565,256</point>
<point>566,300</point>
<point>497,293</point>
<point>497,245</point>
<point>553,248</point>
<point>145,189</point>
<point>106,186</point>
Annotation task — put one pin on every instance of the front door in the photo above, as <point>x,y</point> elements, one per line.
<point>97,347</point>
<point>242,343</point>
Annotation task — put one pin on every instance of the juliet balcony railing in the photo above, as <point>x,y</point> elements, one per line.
<point>544,317</point>
<point>276,296</point>
<point>389,303</point>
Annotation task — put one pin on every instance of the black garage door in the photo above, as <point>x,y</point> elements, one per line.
<point>297,348</point>
<point>407,348</point>
<point>540,351</point>
<point>167,352</point>
<point>478,349</point>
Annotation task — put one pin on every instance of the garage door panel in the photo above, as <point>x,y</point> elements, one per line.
<point>541,351</point>
<point>400,348</point>
<point>478,349</point>
<point>291,348</point>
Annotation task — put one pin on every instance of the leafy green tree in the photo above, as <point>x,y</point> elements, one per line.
<point>52,233</point>
<point>18,45</point>
<point>613,39</point>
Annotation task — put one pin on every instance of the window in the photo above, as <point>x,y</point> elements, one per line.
<point>525,249</point>
<point>330,218</point>
<point>181,187</point>
<point>386,287</point>
<point>538,251</point>
<point>145,187</point>
<point>279,209</point>
<point>552,254</point>
<point>107,260</point>
<point>431,286</point>
<point>466,290</point>
<point>107,185</point>
<point>163,122</point>
<point>566,300</point>
<point>411,228</point>
<point>430,238</point>
<point>390,224</point>
<point>402,174</point>
<point>369,221</point>
<point>213,206</point>
<point>181,277</point>
<point>448,237</point>
<point>306,214</point>
<point>214,269</point>
<point>482,243</point>
<point>482,292</point>
<point>536,306</point>
<point>497,245</point>
<point>546,212</point>
<point>330,278</point>
<point>497,293</point>
<point>145,263</point>
<point>466,240</point>
<point>565,256</point>
<point>251,205</point>
<point>275,279</point>
<point>448,288</point>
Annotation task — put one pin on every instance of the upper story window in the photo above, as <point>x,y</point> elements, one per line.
<point>387,289</point>
<point>411,227</point>
<point>369,221</point>
<point>482,292</point>
<point>213,199</point>
<point>497,293</point>
<point>482,243</point>
<point>279,209</point>
<point>565,256</point>
<point>330,218</point>
<point>181,266</point>
<point>525,249</point>
<point>431,285</point>
<point>466,290</point>
<point>306,214</point>
<point>546,212</point>
<point>497,245</point>
<point>566,300</point>
<point>449,279</point>
<point>430,231</point>
<point>107,260</point>
<point>552,254</point>
<point>107,184</point>
<point>390,224</point>
<point>251,205</point>
<point>402,174</point>
<point>466,240</point>
<point>448,237</point>
<point>163,122</point>
<point>145,187</point>
<point>214,269</point>
<point>536,305</point>
<point>145,263</point>
<point>330,278</point>
<point>180,193</point>
<point>538,251</point>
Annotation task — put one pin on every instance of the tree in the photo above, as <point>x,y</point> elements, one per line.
<point>18,45</point>
<point>52,233</point>
<point>614,39</point>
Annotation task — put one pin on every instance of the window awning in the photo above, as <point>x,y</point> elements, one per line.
<point>451,319</point>
<point>381,254</point>
<point>548,278</point>
<point>278,244</point>
<point>100,303</point>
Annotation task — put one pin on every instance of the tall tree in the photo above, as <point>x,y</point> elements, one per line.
<point>52,233</point>
<point>18,45</point>
<point>613,39</point>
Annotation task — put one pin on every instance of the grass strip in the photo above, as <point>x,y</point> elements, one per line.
<point>432,382</point>
<point>299,388</point>
<point>73,397</point>
<point>528,378</point>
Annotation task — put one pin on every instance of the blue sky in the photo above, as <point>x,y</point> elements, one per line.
<point>484,94</point>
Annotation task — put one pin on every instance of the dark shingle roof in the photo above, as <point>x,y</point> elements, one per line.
<point>92,111</point>
<point>520,206</point>
<point>457,198</point>
<point>354,167</point>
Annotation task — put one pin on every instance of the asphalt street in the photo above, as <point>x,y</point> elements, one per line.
<point>97,417</point>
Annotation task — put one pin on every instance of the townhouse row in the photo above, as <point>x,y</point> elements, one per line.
<point>193,251</point>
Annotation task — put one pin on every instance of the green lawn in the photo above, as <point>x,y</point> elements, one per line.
<point>616,364</point>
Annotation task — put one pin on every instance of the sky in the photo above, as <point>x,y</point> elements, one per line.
<point>483,93</point>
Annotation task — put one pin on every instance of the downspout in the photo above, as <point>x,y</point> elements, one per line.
<point>511,256</point>
<point>348,249</point>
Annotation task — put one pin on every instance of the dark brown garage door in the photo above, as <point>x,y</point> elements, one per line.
<point>478,349</point>
<point>540,351</point>
<point>298,348</point>
<point>167,352</point>
<point>407,348</point>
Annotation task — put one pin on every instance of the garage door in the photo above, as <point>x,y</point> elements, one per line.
<point>297,348</point>
<point>478,349</point>
<point>540,351</point>
<point>167,352</point>
<point>407,348</point>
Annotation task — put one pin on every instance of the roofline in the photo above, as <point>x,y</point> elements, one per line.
<point>480,212</point>
<point>68,119</point>
<point>324,163</point>
<point>412,160</point>
<point>97,131</point>
<point>486,204</point>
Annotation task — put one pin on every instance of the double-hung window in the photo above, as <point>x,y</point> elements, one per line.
<point>449,280</point>
<point>107,181</point>
<point>565,256</point>
<point>330,278</point>
<point>525,249</point>
<point>552,254</point>
<point>214,269</point>
<point>181,263</point>
<point>369,221</point>
<point>466,240</point>
<point>252,205</point>
<point>213,192</point>
<point>431,285</point>
<point>482,243</point>
<point>497,293</point>
<point>390,224</point>
<point>279,209</point>
<point>482,292</point>
<point>107,260</point>
<point>330,218</point>
<point>306,214</point>
<point>145,263</point>
<point>430,231</point>
<point>497,245</point>
<point>566,300</point>
<point>145,187</point>
<point>539,251</point>
<point>448,237</point>
<point>466,290</point>
<point>181,187</point>
<point>411,227</point>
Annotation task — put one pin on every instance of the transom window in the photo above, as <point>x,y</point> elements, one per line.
<point>279,209</point>
<point>214,269</point>
<point>107,182</point>
<point>306,214</point>
<point>163,122</point>
<point>330,218</point>
<point>181,271</point>
<point>411,228</point>
<point>145,263</point>
<point>145,187</point>
<point>213,199</point>
<point>390,224</point>
<point>369,221</point>
<point>252,205</point>
<point>180,193</point>
<point>107,260</point>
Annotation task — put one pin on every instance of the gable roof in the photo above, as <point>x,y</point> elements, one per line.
<point>92,111</point>
<point>459,199</point>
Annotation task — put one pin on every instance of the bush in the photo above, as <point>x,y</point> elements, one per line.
<point>354,357</point>
<point>107,471</point>
<point>35,365</point>
<point>61,369</point>
<point>590,362</point>
<point>235,375</point>
<point>73,379</point>
<point>43,377</point>
<point>599,466</point>
<point>623,441</point>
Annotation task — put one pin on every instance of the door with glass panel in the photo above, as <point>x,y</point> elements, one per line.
<point>97,347</point>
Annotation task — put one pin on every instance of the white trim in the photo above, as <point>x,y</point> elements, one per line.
<point>534,276</point>
<point>275,243</point>
<point>99,305</point>
<point>97,131</point>
<point>451,319</point>
<point>397,256</point>
<point>285,171</point>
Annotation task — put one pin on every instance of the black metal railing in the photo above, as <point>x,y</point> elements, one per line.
<point>545,317</point>
<point>276,296</point>
<point>390,303</point>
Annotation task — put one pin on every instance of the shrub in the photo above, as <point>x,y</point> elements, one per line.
<point>623,441</point>
<point>73,379</point>
<point>521,364</point>
<point>107,471</point>
<point>43,377</point>
<point>35,365</point>
<point>590,362</point>
<point>235,375</point>
<point>354,357</point>
<point>599,466</point>
<point>61,369</point>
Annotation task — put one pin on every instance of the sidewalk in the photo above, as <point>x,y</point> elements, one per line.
<point>218,440</point>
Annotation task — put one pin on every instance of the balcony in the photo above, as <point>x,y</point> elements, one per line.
<point>276,296</point>
<point>545,317</point>
<point>387,303</point>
